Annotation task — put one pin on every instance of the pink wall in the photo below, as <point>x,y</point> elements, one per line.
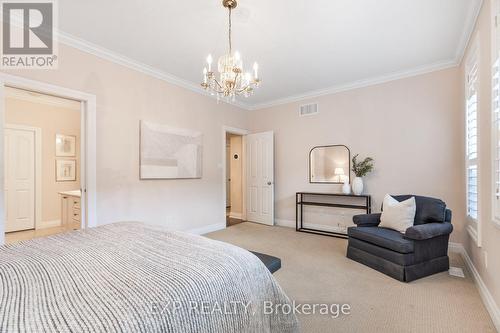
<point>124,97</point>
<point>411,127</point>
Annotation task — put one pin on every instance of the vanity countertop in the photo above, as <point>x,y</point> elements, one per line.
<point>75,193</point>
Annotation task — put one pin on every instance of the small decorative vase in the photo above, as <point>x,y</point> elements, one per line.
<point>346,188</point>
<point>357,186</point>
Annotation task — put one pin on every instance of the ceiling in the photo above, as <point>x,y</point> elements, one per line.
<point>304,48</point>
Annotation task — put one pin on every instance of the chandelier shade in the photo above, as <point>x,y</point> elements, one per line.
<point>231,80</point>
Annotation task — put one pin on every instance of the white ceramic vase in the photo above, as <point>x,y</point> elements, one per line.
<point>357,186</point>
<point>346,188</point>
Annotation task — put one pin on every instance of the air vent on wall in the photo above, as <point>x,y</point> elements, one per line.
<point>308,110</point>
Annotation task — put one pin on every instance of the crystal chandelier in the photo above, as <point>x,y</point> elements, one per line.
<point>231,81</point>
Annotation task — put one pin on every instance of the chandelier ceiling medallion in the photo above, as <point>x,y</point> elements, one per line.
<point>231,81</point>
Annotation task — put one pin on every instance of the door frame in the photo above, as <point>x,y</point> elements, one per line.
<point>38,167</point>
<point>243,132</point>
<point>88,178</point>
<point>228,176</point>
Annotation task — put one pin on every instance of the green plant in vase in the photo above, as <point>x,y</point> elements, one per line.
<point>360,169</point>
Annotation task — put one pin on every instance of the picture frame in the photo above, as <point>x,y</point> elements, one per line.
<point>169,153</point>
<point>65,145</point>
<point>65,170</point>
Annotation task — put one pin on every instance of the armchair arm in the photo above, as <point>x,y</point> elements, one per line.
<point>428,230</point>
<point>367,220</point>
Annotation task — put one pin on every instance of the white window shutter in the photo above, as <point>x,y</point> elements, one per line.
<point>471,110</point>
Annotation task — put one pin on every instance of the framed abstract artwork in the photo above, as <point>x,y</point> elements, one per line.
<point>65,170</point>
<point>65,145</point>
<point>169,153</point>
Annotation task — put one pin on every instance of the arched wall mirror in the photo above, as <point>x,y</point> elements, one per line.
<point>329,164</point>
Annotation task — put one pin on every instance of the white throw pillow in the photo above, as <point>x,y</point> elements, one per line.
<point>398,215</point>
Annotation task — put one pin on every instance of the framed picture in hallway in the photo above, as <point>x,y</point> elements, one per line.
<point>65,145</point>
<point>65,170</point>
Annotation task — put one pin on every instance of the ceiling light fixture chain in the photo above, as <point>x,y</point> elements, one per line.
<point>230,26</point>
<point>231,81</point>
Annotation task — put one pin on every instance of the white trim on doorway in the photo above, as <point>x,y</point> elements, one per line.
<point>38,168</point>
<point>242,132</point>
<point>88,154</point>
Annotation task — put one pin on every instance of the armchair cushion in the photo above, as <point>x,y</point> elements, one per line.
<point>447,216</point>
<point>367,220</point>
<point>429,210</point>
<point>428,231</point>
<point>386,238</point>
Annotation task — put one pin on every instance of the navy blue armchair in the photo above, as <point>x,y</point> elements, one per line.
<point>421,251</point>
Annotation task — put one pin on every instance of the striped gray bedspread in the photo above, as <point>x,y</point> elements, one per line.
<point>130,277</point>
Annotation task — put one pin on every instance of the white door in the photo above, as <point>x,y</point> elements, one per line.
<point>19,166</point>
<point>260,177</point>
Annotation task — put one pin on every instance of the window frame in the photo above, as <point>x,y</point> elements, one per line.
<point>472,61</point>
<point>495,145</point>
<point>495,114</point>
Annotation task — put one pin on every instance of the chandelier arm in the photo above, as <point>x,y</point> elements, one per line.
<point>215,80</point>
<point>217,90</point>
<point>236,78</point>
<point>243,89</point>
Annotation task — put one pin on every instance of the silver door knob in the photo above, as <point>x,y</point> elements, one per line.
<point>269,183</point>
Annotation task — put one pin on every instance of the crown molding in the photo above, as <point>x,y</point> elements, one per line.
<point>117,58</point>
<point>469,26</point>
<point>358,84</point>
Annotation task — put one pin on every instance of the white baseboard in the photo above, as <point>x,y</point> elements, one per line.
<point>48,224</point>
<point>207,229</point>
<point>485,294</point>
<point>284,223</point>
<point>235,215</point>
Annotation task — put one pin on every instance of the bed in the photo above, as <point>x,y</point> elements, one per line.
<point>131,277</point>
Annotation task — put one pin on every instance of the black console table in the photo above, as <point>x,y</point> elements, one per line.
<point>311,199</point>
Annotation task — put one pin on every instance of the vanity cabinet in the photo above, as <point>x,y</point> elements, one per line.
<point>70,208</point>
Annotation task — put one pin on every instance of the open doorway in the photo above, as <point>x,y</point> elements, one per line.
<point>248,174</point>
<point>42,164</point>
<point>234,179</point>
<point>88,170</point>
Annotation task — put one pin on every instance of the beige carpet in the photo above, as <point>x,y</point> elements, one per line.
<point>315,270</point>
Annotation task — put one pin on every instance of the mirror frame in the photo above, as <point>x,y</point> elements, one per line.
<point>328,146</point>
